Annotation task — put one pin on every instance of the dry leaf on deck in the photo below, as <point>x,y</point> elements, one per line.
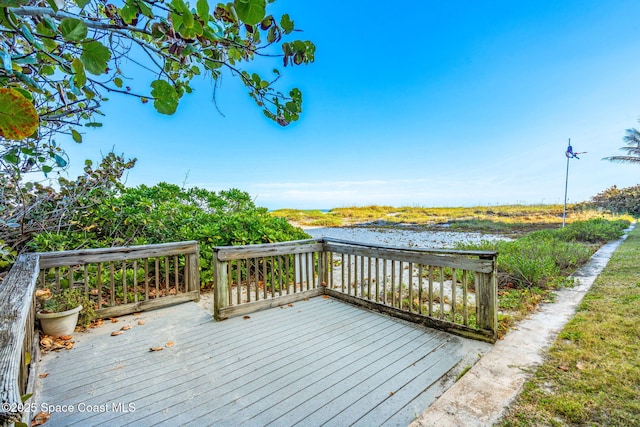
<point>125,328</point>
<point>65,337</point>
<point>325,296</point>
<point>43,293</point>
<point>113,320</point>
<point>140,322</point>
<point>290,305</point>
<point>156,349</point>
<point>115,333</point>
<point>246,317</point>
<point>40,419</point>
<point>170,344</point>
<point>43,375</point>
<point>46,341</point>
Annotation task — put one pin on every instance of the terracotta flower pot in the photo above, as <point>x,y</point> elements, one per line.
<point>59,324</point>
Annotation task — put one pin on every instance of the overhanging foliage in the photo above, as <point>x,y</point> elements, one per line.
<point>64,57</point>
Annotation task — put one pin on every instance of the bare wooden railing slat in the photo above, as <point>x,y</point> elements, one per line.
<point>92,256</point>
<point>16,308</point>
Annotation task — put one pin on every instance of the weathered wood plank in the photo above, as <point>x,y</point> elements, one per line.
<point>226,253</point>
<point>16,307</point>
<point>235,341</point>
<point>331,240</point>
<point>487,302</point>
<point>443,325</point>
<point>406,386</point>
<point>91,256</point>
<point>338,378</point>
<point>416,257</point>
<point>224,373</point>
<point>221,288</point>
<point>152,304</point>
<point>237,310</point>
<point>380,384</point>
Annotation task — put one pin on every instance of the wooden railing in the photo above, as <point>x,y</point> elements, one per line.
<point>125,280</point>
<point>254,277</point>
<point>119,281</point>
<point>447,289</point>
<point>450,290</point>
<point>18,340</point>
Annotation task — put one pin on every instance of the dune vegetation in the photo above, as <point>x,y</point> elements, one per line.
<point>504,218</point>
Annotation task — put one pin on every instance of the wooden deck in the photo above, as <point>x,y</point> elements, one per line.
<point>316,362</point>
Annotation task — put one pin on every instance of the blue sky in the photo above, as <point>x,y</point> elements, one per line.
<point>416,103</point>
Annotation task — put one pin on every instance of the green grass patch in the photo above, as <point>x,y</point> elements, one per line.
<point>591,375</point>
<point>532,267</point>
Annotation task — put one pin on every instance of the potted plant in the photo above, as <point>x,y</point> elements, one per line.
<point>60,312</point>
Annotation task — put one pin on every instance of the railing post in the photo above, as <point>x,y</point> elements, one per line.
<point>322,272</point>
<point>487,298</point>
<point>220,287</point>
<point>193,269</point>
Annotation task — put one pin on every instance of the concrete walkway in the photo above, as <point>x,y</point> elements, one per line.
<point>481,396</point>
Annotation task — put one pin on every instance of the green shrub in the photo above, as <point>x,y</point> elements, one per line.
<point>595,230</point>
<point>167,213</point>
<point>544,258</point>
<point>618,200</point>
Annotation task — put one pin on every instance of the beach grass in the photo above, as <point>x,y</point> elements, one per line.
<point>591,374</point>
<point>504,218</point>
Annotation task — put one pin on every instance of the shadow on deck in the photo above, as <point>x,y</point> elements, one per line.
<point>314,362</point>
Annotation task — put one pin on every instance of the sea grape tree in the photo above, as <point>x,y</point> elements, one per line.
<point>59,60</point>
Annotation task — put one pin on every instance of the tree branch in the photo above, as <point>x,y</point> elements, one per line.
<point>39,11</point>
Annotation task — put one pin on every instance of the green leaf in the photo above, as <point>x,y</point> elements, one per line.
<point>286,23</point>
<point>46,169</point>
<point>11,158</point>
<point>202,7</point>
<point>25,93</point>
<point>128,13</point>
<point>191,32</point>
<point>26,32</point>
<point>144,9</point>
<point>6,61</point>
<point>82,3</point>
<point>95,57</point>
<point>73,30</point>
<point>27,396</point>
<point>117,81</point>
<point>60,161</point>
<point>18,117</point>
<point>13,3</point>
<point>93,125</point>
<point>76,136</point>
<point>165,97</point>
<point>43,29</point>
<point>56,4</point>
<point>49,23</point>
<point>250,11</point>
<point>79,78</point>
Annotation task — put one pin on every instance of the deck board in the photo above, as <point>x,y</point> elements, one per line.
<point>316,362</point>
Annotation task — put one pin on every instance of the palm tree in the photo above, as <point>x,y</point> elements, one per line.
<point>632,138</point>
